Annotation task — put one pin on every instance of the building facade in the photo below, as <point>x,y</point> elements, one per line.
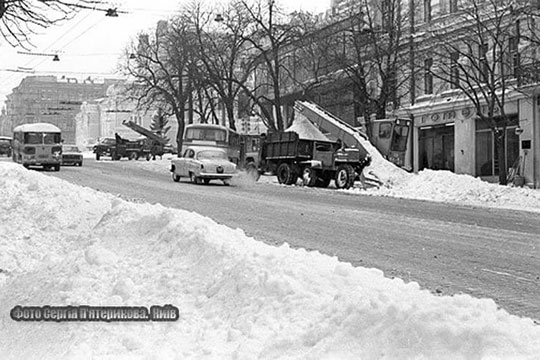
<point>449,132</point>
<point>51,100</point>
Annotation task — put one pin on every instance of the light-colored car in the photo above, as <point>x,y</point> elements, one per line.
<point>71,155</point>
<point>201,164</point>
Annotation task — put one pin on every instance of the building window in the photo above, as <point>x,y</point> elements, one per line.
<point>454,70</point>
<point>515,58</point>
<point>483,63</point>
<point>453,6</point>
<point>427,10</point>
<point>487,155</point>
<point>428,76</point>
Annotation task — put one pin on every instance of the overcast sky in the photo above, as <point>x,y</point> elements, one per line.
<point>90,43</point>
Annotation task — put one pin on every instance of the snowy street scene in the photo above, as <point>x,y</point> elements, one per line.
<point>269,179</point>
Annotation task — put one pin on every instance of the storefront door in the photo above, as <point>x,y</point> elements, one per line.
<point>436,147</point>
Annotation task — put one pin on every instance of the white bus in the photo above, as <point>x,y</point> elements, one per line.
<point>38,144</point>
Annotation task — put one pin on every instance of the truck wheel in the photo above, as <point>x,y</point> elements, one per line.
<point>344,177</point>
<point>286,174</point>
<point>252,171</point>
<point>309,177</point>
<point>133,155</point>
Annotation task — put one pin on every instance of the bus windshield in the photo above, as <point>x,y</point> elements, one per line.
<point>33,138</point>
<point>208,134</point>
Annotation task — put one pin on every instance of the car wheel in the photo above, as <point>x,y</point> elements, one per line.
<point>56,167</point>
<point>309,177</point>
<point>344,177</point>
<point>98,156</point>
<point>206,181</point>
<point>80,164</point>
<point>175,177</point>
<point>195,179</point>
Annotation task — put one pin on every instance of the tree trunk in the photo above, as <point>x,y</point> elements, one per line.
<point>230,114</point>
<point>501,155</point>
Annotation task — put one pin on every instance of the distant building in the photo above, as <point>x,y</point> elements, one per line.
<point>104,117</point>
<point>52,100</point>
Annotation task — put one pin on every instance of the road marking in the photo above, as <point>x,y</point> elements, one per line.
<point>507,274</point>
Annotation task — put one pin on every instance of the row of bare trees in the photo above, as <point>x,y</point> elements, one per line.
<point>250,55</point>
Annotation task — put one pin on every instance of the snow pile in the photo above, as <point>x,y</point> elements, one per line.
<point>305,129</point>
<point>446,186</point>
<point>238,298</point>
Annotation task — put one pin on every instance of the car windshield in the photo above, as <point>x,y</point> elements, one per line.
<point>71,148</point>
<point>211,154</point>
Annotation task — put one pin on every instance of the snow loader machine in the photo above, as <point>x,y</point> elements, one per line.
<point>316,159</point>
<point>153,145</point>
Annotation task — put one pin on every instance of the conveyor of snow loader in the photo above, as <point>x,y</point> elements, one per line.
<point>145,132</point>
<point>335,127</point>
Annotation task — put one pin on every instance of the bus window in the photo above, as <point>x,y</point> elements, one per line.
<point>33,138</point>
<point>51,138</point>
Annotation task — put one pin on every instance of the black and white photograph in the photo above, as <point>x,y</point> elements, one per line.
<point>270,179</point>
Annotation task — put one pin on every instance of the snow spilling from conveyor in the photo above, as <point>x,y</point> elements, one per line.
<point>238,298</point>
<point>381,170</point>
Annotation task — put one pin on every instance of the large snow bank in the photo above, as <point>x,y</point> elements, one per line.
<point>238,298</point>
<point>445,186</point>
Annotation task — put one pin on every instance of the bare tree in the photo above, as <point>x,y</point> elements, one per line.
<point>161,67</point>
<point>222,53</point>
<point>479,57</point>
<point>270,31</point>
<point>372,52</point>
<point>19,19</point>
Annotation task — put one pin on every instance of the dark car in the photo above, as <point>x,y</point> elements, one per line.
<point>5,145</point>
<point>71,155</point>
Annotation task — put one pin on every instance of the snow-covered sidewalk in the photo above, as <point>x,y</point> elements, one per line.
<point>61,244</point>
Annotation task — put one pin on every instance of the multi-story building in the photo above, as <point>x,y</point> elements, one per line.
<point>450,131</point>
<point>51,100</point>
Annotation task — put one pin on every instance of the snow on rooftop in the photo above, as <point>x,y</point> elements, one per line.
<point>37,127</point>
<point>238,298</point>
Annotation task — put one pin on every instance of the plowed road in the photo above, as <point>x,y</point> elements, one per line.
<point>447,249</point>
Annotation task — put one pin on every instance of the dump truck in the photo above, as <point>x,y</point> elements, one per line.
<point>316,162</point>
<point>330,149</point>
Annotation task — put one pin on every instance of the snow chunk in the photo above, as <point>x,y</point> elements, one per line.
<point>305,129</point>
